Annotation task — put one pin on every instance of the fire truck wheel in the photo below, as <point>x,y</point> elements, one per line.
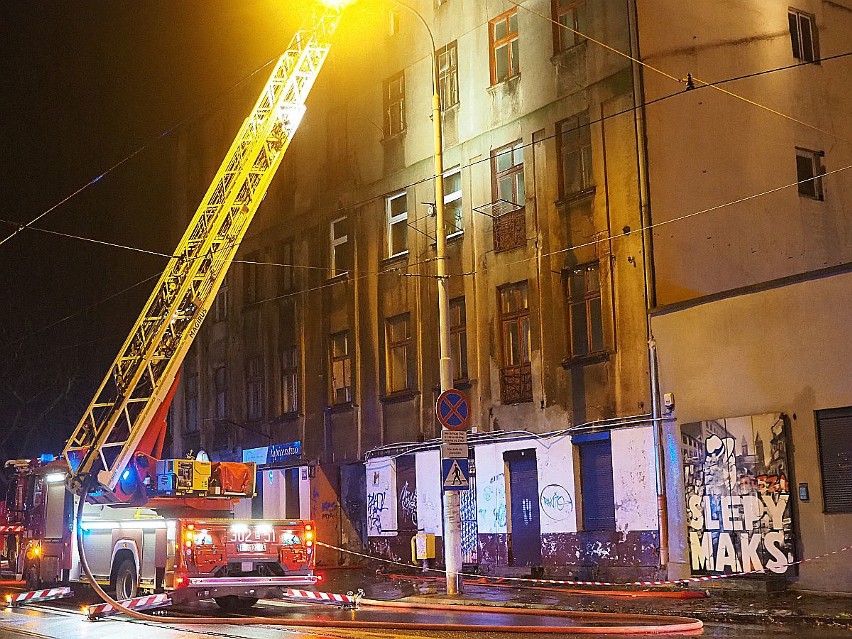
<point>232,602</point>
<point>125,580</point>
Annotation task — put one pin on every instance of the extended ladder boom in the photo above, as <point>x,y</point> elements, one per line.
<point>107,436</point>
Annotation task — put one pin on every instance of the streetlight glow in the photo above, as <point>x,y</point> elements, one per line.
<point>337,4</point>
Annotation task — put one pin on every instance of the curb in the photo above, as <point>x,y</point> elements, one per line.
<point>764,617</point>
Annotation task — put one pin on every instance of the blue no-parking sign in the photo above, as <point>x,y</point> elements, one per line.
<point>453,409</point>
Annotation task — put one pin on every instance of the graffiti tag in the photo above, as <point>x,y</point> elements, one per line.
<point>555,502</point>
<point>408,503</point>
<point>375,508</point>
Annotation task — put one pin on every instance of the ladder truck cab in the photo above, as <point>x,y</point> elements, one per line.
<point>110,510</point>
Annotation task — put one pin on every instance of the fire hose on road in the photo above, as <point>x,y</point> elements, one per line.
<point>584,622</point>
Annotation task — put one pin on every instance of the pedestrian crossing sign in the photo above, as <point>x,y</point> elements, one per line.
<point>455,473</point>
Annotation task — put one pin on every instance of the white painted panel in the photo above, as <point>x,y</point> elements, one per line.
<point>556,492</point>
<point>304,493</point>
<point>381,497</point>
<point>273,493</point>
<point>491,486</point>
<point>428,474</point>
<point>634,479</point>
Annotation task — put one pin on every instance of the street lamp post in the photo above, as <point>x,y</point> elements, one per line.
<point>452,498</point>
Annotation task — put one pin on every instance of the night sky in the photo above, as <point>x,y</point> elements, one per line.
<point>85,85</point>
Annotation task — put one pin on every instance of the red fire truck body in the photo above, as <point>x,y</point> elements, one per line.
<point>130,549</point>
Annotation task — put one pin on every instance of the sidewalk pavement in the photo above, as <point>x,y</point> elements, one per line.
<point>712,604</point>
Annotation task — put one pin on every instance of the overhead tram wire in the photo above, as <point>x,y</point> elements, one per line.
<point>361,203</point>
<point>680,218</point>
<point>714,85</point>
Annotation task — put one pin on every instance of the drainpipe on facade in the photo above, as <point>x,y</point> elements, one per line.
<point>640,132</point>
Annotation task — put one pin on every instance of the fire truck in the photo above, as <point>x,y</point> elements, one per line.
<point>110,509</point>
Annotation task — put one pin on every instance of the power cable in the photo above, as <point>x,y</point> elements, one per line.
<point>679,80</point>
<point>710,209</point>
<point>30,225</point>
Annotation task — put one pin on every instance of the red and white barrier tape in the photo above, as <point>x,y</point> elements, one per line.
<point>11,529</point>
<point>34,596</point>
<point>322,597</point>
<point>568,582</point>
<point>137,603</point>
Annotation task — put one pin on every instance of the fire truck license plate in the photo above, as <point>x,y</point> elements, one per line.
<point>251,547</point>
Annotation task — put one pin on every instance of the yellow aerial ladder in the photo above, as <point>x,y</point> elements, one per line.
<point>107,439</point>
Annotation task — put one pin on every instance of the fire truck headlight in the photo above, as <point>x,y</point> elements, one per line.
<point>54,478</point>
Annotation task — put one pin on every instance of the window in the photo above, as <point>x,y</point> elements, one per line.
<point>254,389</point>
<point>289,379</point>
<point>515,375</point>
<point>448,75</point>
<point>341,248</point>
<point>394,104</point>
<point>221,388</point>
<point>453,221</point>
<point>507,170</point>
<point>809,172</point>
<point>220,304</point>
<point>458,338</point>
<point>397,215</point>
<point>834,430</point>
<point>251,272</point>
<point>341,369</point>
<point>574,140</point>
<point>596,480</point>
<point>398,341</point>
<point>569,16</point>
<point>191,403</point>
<point>503,38</point>
<point>507,167</point>
<point>286,276</point>
<point>585,323</point>
<point>803,36</point>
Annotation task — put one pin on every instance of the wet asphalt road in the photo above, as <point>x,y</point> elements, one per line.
<point>63,620</point>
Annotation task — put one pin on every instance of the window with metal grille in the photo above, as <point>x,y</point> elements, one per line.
<point>458,338</point>
<point>397,223</point>
<point>503,40</point>
<point>221,389</point>
<point>191,403</point>
<point>453,221</point>
<point>574,141</point>
<point>596,481</point>
<point>448,75</point>
<point>803,36</point>
<point>569,18</point>
<point>289,379</point>
<point>399,356</point>
<point>834,431</point>
<point>341,248</point>
<point>585,317</point>
<point>254,389</point>
<point>509,194</point>
<point>286,272</point>
<point>515,374</point>
<point>341,368</point>
<point>394,103</point>
<point>809,171</point>
<point>220,304</point>
<point>251,273</point>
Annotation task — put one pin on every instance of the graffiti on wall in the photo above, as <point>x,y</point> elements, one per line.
<point>556,502</point>
<point>408,505</point>
<point>381,511</point>
<point>738,495</point>
<point>493,506</point>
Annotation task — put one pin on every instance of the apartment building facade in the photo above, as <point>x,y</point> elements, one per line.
<point>320,358</point>
<point>749,187</point>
